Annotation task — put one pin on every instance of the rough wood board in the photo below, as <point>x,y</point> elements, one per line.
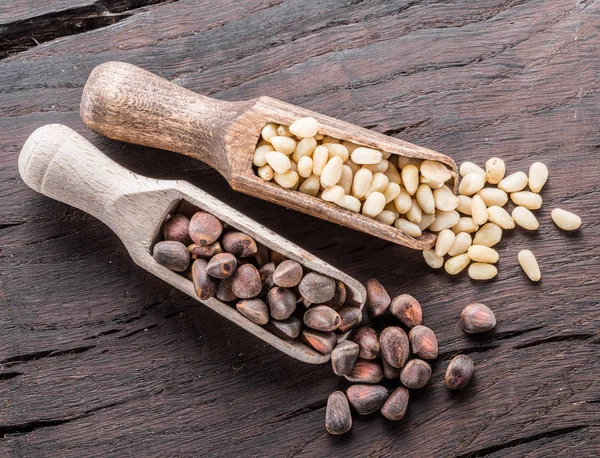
<point>100,358</point>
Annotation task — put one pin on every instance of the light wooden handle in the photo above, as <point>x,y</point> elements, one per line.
<point>59,163</point>
<point>124,102</point>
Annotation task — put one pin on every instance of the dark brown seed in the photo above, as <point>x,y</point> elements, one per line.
<point>187,209</point>
<point>254,309</point>
<point>323,342</point>
<point>339,297</point>
<point>338,419</point>
<point>390,372</point>
<point>415,374</point>
<point>239,244</point>
<point>266,277</point>
<point>459,372</point>
<point>344,357</point>
<point>262,254</point>
<point>222,265</point>
<point>378,300</point>
<point>173,255</point>
<point>395,406</point>
<point>205,228</point>
<point>225,291</point>
<point>351,317</point>
<point>288,274</point>
<point>423,342</point>
<point>177,228</point>
<point>367,340</point>
<point>204,285</point>
<point>366,372</point>
<point>367,399</point>
<point>407,309</point>
<point>477,318</point>
<point>282,302</point>
<point>317,288</point>
<point>394,346</point>
<point>246,282</point>
<point>286,329</point>
<point>204,252</point>
<point>322,318</point>
<point>276,257</point>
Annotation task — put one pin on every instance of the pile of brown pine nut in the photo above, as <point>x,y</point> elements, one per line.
<point>395,190</point>
<point>481,218</point>
<point>260,283</point>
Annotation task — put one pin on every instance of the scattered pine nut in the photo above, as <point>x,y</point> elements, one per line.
<point>524,218</point>
<point>482,271</point>
<point>462,242</point>
<point>514,182</point>
<point>482,253</point>
<point>495,170</point>
<point>434,261</point>
<point>530,265</point>
<point>527,199</point>
<point>566,220</point>
<point>457,264</point>
<point>538,174</point>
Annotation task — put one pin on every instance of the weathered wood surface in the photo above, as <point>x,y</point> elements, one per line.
<point>101,358</point>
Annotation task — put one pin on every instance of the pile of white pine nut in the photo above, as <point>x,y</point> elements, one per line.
<point>407,193</point>
<point>480,211</point>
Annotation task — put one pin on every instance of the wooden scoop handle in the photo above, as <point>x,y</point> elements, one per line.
<point>124,102</point>
<point>59,163</point>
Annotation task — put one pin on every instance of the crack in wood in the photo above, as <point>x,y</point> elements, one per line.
<point>566,338</point>
<point>44,354</point>
<point>21,35</point>
<point>496,448</point>
<point>9,375</point>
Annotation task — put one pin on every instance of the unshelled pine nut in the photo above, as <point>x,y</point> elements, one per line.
<point>470,184</point>
<point>374,204</point>
<point>470,167</point>
<point>445,240</point>
<point>461,244</point>
<point>305,166</point>
<point>493,196</point>
<point>304,127</point>
<point>332,172</point>
<point>259,158</point>
<point>489,235</point>
<point>501,217</point>
<point>391,191</point>
<point>332,194</point>
<point>465,224</point>
<point>305,147</point>
<point>444,220</point>
<point>363,155</point>
<point>524,218</point>
<point>495,170</point>
<point>425,199</point>
<point>478,210</point>
<point>278,161</point>
<point>445,199</point>
<point>538,174</point>
<point>320,158</point>
<point>567,221</point>
<point>310,186</point>
<point>286,180</point>
<point>362,183</point>
<point>465,203</point>
<point>410,178</point>
<point>408,228</point>
<point>350,203</point>
<point>265,172</point>
<point>482,253</point>
<point>456,264</point>
<point>436,171</point>
<point>529,265</point>
<point>527,199</point>
<point>403,202</point>
<point>432,259</point>
<point>482,271</point>
<point>415,214</point>
<point>514,182</point>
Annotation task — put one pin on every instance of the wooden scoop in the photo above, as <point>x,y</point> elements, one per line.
<point>59,163</point>
<point>124,102</point>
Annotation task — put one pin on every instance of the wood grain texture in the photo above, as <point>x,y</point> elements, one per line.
<point>127,103</point>
<point>100,358</point>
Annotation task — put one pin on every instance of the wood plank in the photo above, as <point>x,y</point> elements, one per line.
<point>469,79</point>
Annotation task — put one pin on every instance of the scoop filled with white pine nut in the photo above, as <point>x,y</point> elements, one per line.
<point>282,153</point>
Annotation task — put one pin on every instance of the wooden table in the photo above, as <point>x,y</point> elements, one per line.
<point>100,358</point>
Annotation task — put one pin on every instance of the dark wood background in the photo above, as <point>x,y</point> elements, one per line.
<point>100,358</point>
